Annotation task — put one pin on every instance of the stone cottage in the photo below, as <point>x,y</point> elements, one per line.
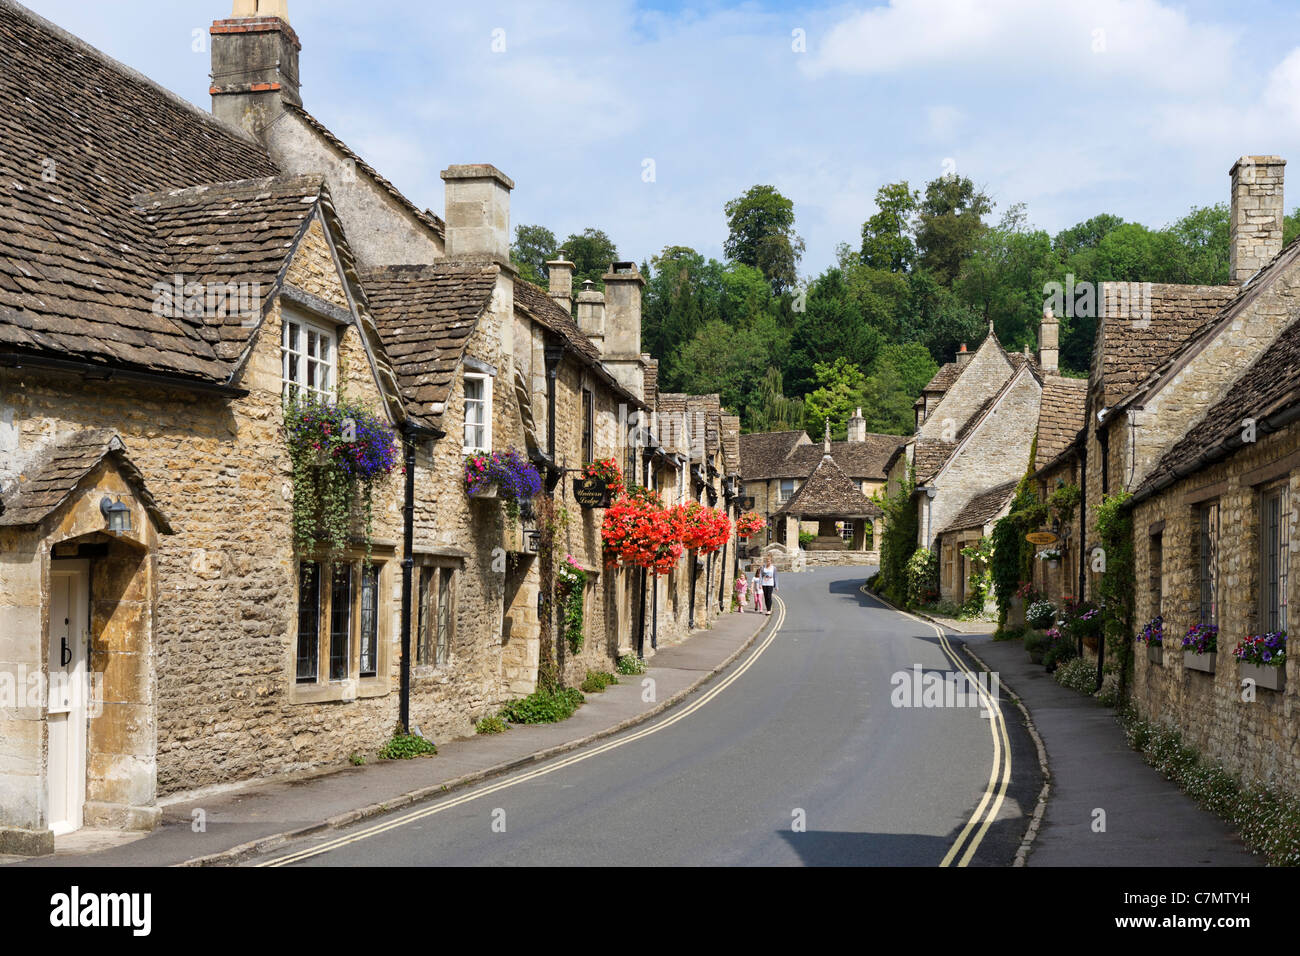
<point>161,296</point>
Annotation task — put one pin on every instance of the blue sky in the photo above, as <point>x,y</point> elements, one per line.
<point>1072,107</point>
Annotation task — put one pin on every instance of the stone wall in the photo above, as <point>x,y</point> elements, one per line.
<point>1261,739</point>
<point>987,371</point>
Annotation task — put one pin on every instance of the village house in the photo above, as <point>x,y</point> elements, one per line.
<point>161,297</point>
<point>776,465</point>
<point>1190,411</point>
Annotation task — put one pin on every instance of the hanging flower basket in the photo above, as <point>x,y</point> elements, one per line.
<point>335,449</point>
<point>606,471</point>
<point>749,524</point>
<point>638,531</point>
<point>704,529</point>
<point>507,475</point>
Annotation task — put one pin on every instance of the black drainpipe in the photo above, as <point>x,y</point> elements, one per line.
<point>1083,524</point>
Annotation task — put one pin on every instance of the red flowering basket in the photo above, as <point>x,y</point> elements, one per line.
<point>606,470</point>
<point>638,531</point>
<point>704,529</point>
<point>749,524</point>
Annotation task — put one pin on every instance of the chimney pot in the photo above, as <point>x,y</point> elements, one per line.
<point>559,274</point>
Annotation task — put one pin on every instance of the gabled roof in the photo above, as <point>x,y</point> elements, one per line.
<point>1131,349</point>
<point>425,316</point>
<point>829,493</point>
<point>1061,414</point>
<point>82,136</point>
<point>983,507</point>
<point>1269,389</point>
<point>858,459</point>
<point>425,216</point>
<point>930,455</point>
<point>56,473</point>
<point>1215,324</point>
<point>762,453</point>
<point>944,378</point>
<point>700,410</point>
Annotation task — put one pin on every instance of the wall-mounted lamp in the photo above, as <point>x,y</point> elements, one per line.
<point>116,514</point>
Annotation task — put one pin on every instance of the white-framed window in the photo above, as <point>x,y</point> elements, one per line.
<point>478,412</point>
<point>786,491</point>
<point>308,355</point>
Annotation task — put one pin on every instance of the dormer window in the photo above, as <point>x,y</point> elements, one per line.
<point>307,353</point>
<point>478,412</point>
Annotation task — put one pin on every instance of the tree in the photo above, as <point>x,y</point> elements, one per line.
<point>828,327</point>
<point>949,220</point>
<point>729,361</point>
<point>887,241</point>
<point>533,247</point>
<point>681,295</point>
<point>770,410</point>
<point>761,234</point>
<point>839,392</point>
<point>592,253</point>
<point>893,384</point>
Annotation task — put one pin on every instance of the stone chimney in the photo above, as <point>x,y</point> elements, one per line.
<point>478,213</point>
<point>622,352</point>
<point>591,313</point>
<point>560,282</point>
<point>1049,343</point>
<point>963,356</point>
<point>857,427</point>
<point>254,64</point>
<point>1255,223</point>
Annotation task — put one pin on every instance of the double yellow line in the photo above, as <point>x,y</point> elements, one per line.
<point>505,784</point>
<point>1000,773</point>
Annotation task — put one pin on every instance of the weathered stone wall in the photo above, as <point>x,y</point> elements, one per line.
<point>987,371</point>
<point>1261,739</point>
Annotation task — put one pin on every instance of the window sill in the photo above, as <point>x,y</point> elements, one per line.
<point>340,691</point>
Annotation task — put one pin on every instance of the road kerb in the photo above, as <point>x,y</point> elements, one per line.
<point>350,817</point>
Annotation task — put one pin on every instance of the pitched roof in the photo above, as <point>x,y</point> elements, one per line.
<point>703,415</point>
<point>1270,386</point>
<point>425,315</point>
<point>425,216</point>
<point>82,136</point>
<point>829,493</point>
<point>652,382</point>
<point>944,378</point>
<point>762,453</point>
<point>56,473</point>
<point>1130,349</point>
<point>983,507</point>
<point>1061,414</point>
<point>858,459</point>
<point>929,456</point>
<point>1215,323</point>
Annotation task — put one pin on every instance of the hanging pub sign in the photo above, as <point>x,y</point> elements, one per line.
<point>591,492</point>
<point>1042,537</point>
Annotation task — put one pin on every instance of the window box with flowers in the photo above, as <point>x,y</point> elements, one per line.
<point>1153,636</point>
<point>1201,647</point>
<point>507,475</point>
<point>1262,658</point>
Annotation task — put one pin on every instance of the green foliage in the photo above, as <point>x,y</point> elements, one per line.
<point>770,410</point>
<point>981,579</point>
<point>357,760</point>
<point>406,747</point>
<point>898,541</point>
<point>1063,502</point>
<point>839,392</point>
<point>1267,818</point>
<point>491,725</point>
<point>571,589</point>
<point>922,577</point>
<point>1036,641</point>
<point>543,707</point>
<point>949,221</point>
<point>597,681</point>
<point>591,252</point>
<point>806,538</point>
<point>1116,587</point>
<point>631,664</point>
<point>1078,674</point>
<point>761,234</point>
<point>1059,650</point>
<point>533,247</point>
<point>887,242</point>
<point>1012,554</point>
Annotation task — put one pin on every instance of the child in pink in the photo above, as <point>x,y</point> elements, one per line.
<point>742,585</point>
<point>758,596</point>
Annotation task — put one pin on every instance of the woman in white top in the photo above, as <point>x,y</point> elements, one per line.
<point>767,579</point>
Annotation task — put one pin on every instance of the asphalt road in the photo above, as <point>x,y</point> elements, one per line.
<point>795,756</point>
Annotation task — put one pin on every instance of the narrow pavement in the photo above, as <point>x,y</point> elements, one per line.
<point>795,756</point>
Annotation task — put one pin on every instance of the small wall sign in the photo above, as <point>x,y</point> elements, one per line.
<point>1042,537</point>
<point>591,492</point>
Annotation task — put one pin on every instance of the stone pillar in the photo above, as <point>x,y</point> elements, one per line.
<point>622,347</point>
<point>560,282</point>
<point>478,212</point>
<point>857,427</point>
<point>1255,223</point>
<point>591,314</point>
